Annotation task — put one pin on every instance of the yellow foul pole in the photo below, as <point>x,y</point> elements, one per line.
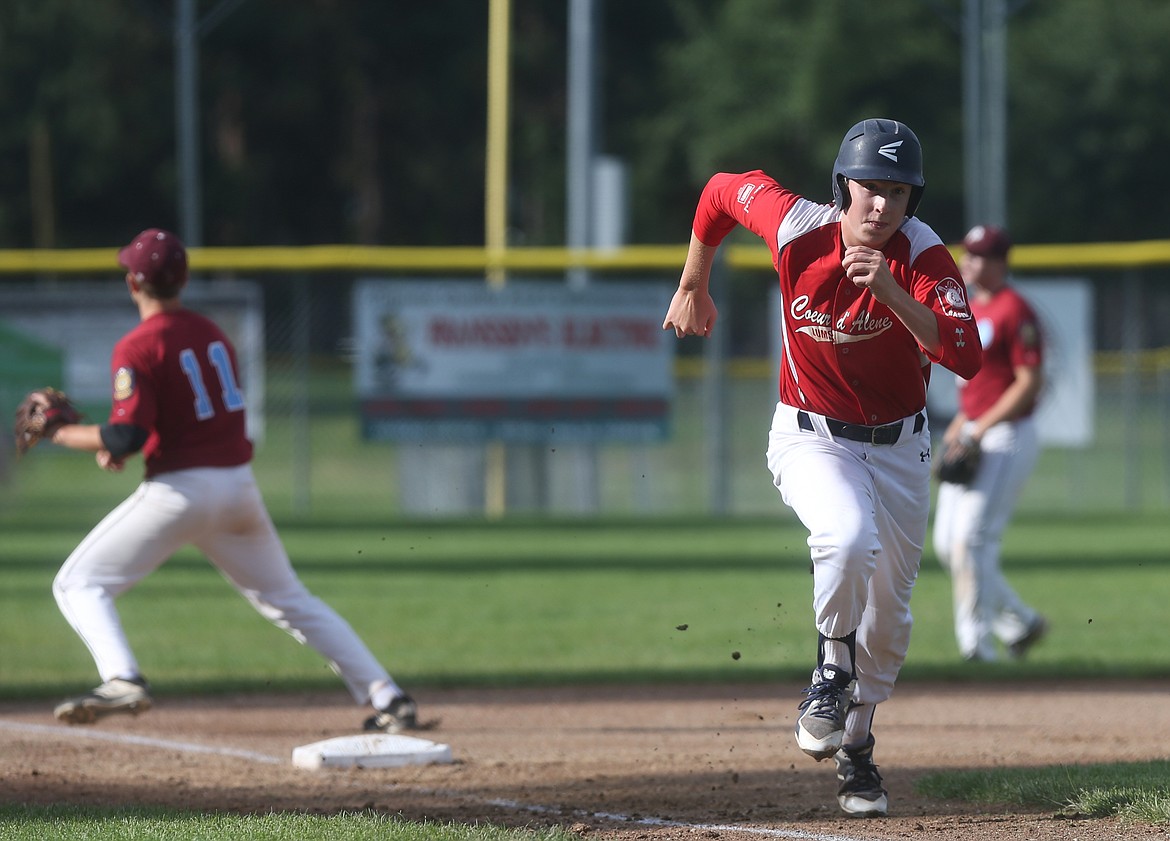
<point>496,192</point>
<point>496,209</point>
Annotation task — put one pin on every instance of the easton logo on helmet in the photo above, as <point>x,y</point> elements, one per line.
<point>890,150</point>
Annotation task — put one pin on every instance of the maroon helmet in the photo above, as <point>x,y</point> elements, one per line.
<point>158,259</point>
<point>988,241</point>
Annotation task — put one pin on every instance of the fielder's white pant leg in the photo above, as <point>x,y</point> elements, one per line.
<point>250,554</point>
<point>128,544</point>
<point>943,534</point>
<point>960,518</point>
<point>986,606</point>
<point>948,548</point>
<point>1013,449</point>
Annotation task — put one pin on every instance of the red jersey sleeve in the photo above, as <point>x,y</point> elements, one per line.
<point>135,397</point>
<point>1027,343</point>
<point>751,199</point>
<point>936,284</point>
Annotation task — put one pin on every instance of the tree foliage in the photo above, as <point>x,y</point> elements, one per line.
<point>1089,123</point>
<point>365,121</point>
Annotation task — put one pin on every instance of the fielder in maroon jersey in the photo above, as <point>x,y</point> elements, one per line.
<point>995,419</point>
<point>177,400</point>
<point>870,296</point>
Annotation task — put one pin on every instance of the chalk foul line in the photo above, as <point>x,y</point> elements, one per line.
<point>268,759</point>
<point>129,739</point>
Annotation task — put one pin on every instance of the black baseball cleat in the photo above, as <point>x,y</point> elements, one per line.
<point>120,695</point>
<point>821,724</point>
<point>401,714</point>
<point>860,794</point>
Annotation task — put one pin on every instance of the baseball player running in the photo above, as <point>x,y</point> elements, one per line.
<point>177,399</point>
<point>995,420</point>
<point>870,296</point>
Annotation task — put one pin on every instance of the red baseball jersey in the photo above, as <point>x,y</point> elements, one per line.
<point>176,376</point>
<point>1010,334</point>
<point>844,354</point>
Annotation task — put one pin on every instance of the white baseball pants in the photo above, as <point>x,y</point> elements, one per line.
<point>866,508</point>
<point>219,511</point>
<point>968,534</point>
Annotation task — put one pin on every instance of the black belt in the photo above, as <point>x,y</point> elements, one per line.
<point>886,434</point>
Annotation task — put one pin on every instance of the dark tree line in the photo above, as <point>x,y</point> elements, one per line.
<point>364,120</point>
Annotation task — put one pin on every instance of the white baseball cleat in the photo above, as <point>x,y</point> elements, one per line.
<point>821,725</point>
<point>112,697</point>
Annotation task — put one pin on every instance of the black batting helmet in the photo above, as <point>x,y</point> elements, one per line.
<point>879,150</point>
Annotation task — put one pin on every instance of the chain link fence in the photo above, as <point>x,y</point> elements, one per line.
<point>313,461</point>
<point>712,461</point>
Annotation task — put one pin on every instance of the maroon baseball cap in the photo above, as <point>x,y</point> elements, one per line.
<point>157,257</point>
<point>987,241</point>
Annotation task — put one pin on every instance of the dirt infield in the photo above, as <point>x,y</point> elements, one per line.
<point>713,762</point>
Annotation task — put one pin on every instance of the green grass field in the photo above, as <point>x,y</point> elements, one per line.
<point>476,603</point>
<point>525,602</point>
<point>69,824</point>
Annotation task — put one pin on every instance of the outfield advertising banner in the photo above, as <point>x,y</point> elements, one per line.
<point>531,361</point>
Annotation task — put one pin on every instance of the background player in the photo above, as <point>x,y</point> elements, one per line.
<point>177,399</point>
<point>995,417</point>
<point>868,296</point>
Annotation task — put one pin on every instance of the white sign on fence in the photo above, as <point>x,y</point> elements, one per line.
<point>531,361</point>
<point>1064,415</point>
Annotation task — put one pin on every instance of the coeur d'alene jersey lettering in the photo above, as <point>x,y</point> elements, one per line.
<point>845,354</point>
<point>175,375</point>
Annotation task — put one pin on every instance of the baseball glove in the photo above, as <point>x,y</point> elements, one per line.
<point>41,414</point>
<point>959,469</point>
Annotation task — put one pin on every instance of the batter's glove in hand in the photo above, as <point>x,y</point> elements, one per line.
<point>39,415</point>
<point>960,468</point>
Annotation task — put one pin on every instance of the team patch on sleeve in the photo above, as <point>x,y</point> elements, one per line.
<point>953,298</point>
<point>123,384</point>
<point>746,193</point>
